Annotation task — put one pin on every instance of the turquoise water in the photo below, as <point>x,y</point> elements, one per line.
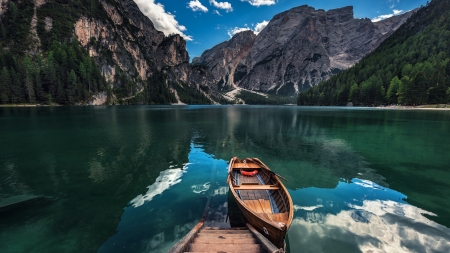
<point>137,178</point>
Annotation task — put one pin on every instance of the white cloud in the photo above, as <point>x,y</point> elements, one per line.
<point>221,5</point>
<point>257,28</point>
<point>385,16</point>
<point>260,26</point>
<point>163,21</point>
<point>260,2</point>
<point>217,12</point>
<point>382,17</point>
<point>235,30</point>
<point>195,5</point>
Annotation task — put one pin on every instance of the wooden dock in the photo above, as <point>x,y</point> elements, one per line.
<point>13,203</point>
<point>224,240</point>
<point>227,239</point>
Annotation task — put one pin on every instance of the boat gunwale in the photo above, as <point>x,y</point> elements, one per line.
<point>242,203</point>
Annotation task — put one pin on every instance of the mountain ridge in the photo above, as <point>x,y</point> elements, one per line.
<point>109,52</point>
<point>411,67</point>
<point>299,48</point>
<point>135,62</point>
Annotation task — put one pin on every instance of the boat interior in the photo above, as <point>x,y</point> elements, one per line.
<point>260,193</point>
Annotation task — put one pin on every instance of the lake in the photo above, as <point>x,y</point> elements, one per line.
<point>137,178</point>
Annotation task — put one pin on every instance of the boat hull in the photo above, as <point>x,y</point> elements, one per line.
<point>273,230</point>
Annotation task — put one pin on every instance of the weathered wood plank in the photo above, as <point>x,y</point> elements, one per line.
<point>186,240</point>
<point>223,232</point>
<point>265,204</point>
<point>256,187</point>
<point>254,205</point>
<point>226,236</point>
<point>281,217</point>
<point>220,247</point>
<point>265,243</point>
<point>221,240</point>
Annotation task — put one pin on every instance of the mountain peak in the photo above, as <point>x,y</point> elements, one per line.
<point>298,49</point>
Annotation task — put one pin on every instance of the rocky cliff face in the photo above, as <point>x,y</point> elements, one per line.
<point>123,42</point>
<point>3,6</point>
<point>135,46</point>
<point>224,59</point>
<point>298,48</point>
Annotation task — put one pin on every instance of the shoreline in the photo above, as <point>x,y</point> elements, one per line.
<point>437,107</point>
<point>27,105</point>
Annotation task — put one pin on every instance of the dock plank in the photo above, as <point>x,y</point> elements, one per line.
<point>221,240</point>
<point>202,247</point>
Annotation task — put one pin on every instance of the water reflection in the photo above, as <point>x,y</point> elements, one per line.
<point>199,188</point>
<point>151,222</point>
<point>97,160</point>
<point>291,141</point>
<point>164,181</point>
<point>362,216</point>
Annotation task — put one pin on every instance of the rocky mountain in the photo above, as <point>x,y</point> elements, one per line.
<point>296,50</point>
<point>411,67</point>
<point>134,58</point>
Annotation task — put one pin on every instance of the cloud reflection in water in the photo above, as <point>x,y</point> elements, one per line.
<point>164,181</point>
<point>364,217</point>
<point>199,188</point>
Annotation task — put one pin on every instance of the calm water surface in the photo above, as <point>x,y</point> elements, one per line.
<point>137,178</point>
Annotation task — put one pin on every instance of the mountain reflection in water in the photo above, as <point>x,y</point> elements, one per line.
<point>137,178</point>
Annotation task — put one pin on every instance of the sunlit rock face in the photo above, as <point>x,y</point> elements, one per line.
<point>128,42</point>
<point>131,39</point>
<point>224,59</point>
<point>299,48</point>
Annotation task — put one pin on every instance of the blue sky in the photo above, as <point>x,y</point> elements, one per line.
<point>206,23</point>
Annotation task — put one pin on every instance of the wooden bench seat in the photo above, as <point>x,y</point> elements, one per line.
<point>256,187</point>
<point>246,166</point>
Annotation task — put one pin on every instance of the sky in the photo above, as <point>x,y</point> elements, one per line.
<point>206,23</point>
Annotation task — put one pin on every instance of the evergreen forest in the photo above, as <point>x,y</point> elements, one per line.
<point>411,67</point>
<point>255,99</point>
<point>61,71</point>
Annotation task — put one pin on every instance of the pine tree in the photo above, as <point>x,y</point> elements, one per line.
<point>421,87</point>
<point>71,87</point>
<point>5,84</point>
<point>404,91</point>
<point>28,79</point>
<point>16,90</point>
<point>391,95</point>
<point>354,94</point>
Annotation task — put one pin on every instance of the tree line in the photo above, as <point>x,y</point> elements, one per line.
<point>411,67</point>
<point>255,99</point>
<point>67,75</point>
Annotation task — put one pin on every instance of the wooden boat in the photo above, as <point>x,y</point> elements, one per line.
<point>262,198</point>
